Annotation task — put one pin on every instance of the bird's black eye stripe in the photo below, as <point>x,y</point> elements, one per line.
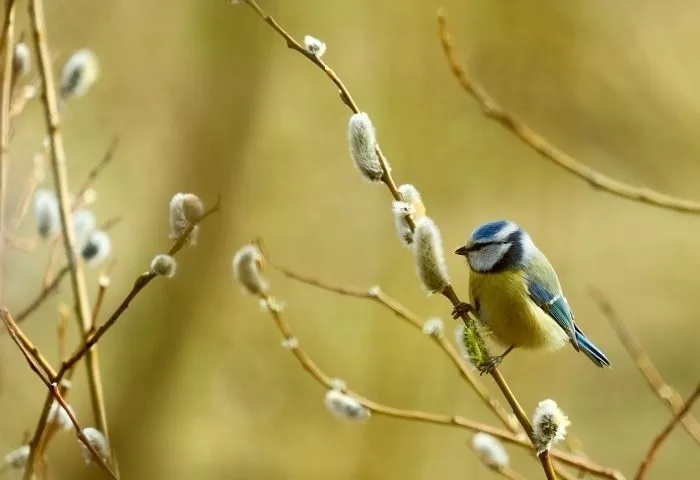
<point>478,246</point>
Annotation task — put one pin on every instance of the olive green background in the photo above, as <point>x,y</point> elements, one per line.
<point>206,98</point>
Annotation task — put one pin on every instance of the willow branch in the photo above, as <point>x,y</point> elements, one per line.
<point>44,293</point>
<point>345,96</point>
<point>419,416</point>
<point>538,143</point>
<point>60,177</point>
<point>377,295</point>
<point>95,172</point>
<point>79,199</point>
<point>26,198</point>
<point>68,366</point>
<point>52,287</point>
<point>5,97</point>
<point>388,180</point>
<point>663,390</point>
<point>37,364</point>
<point>141,282</point>
<point>659,440</point>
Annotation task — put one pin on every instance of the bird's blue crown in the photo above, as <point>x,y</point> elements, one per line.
<point>489,230</point>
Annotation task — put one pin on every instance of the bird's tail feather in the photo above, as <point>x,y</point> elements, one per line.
<point>591,351</point>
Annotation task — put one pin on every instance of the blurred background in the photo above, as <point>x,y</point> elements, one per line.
<point>206,98</point>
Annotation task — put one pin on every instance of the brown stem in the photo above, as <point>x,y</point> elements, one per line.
<point>28,351</point>
<point>663,390</point>
<point>5,96</point>
<point>661,437</point>
<point>43,295</point>
<point>414,320</point>
<point>140,283</point>
<point>60,177</point>
<point>541,145</point>
<point>425,417</point>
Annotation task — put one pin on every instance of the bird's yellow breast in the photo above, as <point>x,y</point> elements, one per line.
<point>505,307</point>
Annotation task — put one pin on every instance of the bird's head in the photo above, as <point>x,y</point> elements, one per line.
<point>497,246</point>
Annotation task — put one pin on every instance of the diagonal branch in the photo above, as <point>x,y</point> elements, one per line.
<point>28,350</point>
<point>664,391</point>
<point>537,142</point>
<point>388,180</point>
<point>60,177</point>
<point>141,282</point>
<point>661,437</point>
<point>68,366</point>
<point>377,295</point>
<point>419,416</point>
<point>5,98</point>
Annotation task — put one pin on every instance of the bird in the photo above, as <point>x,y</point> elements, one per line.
<point>515,292</point>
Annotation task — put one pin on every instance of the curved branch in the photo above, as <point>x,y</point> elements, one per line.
<point>324,379</point>
<point>537,142</point>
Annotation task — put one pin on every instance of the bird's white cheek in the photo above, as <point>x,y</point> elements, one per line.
<point>487,257</point>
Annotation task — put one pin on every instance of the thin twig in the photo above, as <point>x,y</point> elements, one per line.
<point>414,320</point>
<point>26,347</point>
<point>663,390</point>
<point>43,295</point>
<point>507,472</point>
<point>419,416</point>
<point>140,283</point>
<point>61,331</point>
<point>29,190</point>
<point>95,172</point>
<point>404,313</point>
<point>49,289</point>
<point>60,176</point>
<point>659,440</point>
<point>5,96</point>
<point>537,142</point>
<point>388,180</point>
<point>522,417</point>
<point>345,96</point>
<point>68,366</point>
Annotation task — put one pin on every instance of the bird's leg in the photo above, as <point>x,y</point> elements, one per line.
<point>462,309</point>
<point>493,362</point>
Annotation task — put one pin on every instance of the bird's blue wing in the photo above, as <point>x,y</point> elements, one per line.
<point>554,305</point>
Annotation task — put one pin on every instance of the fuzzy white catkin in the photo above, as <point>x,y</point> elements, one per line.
<point>549,424</point>
<point>186,209</point>
<point>247,263</point>
<point>98,442</point>
<point>17,458</point>
<point>22,60</point>
<point>401,210</point>
<point>97,248</point>
<point>411,195</point>
<point>434,327</point>
<point>79,74</point>
<point>84,223</point>
<point>363,144</point>
<point>411,204</point>
<point>490,450</point>
<point>430,258</point>
<point>164,265</point>
<point>46,213</point>
<point>314,46</point>
<point>59,416</point>
<point>344,407</point>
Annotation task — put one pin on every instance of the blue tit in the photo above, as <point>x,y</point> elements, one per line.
<point>516,294</point>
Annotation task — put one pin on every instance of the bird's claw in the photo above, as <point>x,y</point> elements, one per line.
<point>462,309</point>
<point>489,365</point>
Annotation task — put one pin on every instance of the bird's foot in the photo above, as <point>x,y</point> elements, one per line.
<point>462,309</point>
<point>489,365</point>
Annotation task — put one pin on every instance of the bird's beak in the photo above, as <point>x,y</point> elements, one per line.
<point>462,250</point>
